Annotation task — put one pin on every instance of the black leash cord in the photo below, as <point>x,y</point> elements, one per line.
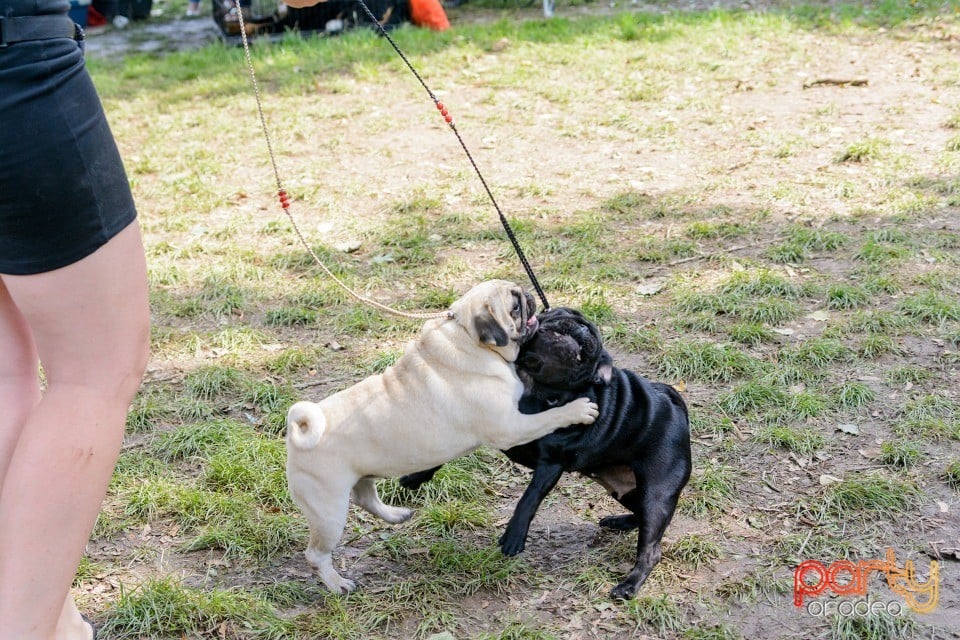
<point>449,120</point>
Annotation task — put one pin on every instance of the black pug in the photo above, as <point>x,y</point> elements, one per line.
<point>638,448</point>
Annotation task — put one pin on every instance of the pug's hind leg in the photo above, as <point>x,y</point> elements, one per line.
<point>365,496</point>
<point>326,527</point>
<point>626,522</point>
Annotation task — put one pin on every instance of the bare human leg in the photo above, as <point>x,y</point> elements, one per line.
<point>89,325</point>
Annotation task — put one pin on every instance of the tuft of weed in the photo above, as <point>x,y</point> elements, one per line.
<point>803,441</point>
<point>900,453</point>
<point>882,253</point>
<point>656,613</point>
<point>951,474</point>
<point>930,307</point>
<point>870,494</point>
<point>749,397</point>
<point>720,631</point>
<point>880,625</point>
<point>292,360</point>
<point>818,353</point>
<point>161,607</point>
<point>786,253</point>
<point>874,345</point>
<point>817,239</point>
<point>757,584</point>
<point>295,316</point>
<point>693,551</point>
<point>852,395</point>
<point>861,151</point>
<point>845,297</point>
<point>751,333</point>
<point>708,491</point>
<point>908,373</point>
<point>212,382</point>
<point>518,631</point>
<point>761,283</point>
<point>707,361</point>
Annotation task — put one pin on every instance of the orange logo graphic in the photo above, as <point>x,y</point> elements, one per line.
<point>846,578</point>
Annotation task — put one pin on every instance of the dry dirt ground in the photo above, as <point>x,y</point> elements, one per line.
<point>565,527</point>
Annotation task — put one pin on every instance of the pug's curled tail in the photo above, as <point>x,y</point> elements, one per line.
<point>305,425</point>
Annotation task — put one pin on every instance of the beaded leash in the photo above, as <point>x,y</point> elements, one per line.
<point>285,200</point>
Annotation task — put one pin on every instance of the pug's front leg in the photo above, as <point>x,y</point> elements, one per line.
<point>524,428</point>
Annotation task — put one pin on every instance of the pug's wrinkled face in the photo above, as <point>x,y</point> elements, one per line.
<point>500,315</point>
<point>566,353</point>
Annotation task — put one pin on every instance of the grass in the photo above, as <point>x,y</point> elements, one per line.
<point>665,172</point>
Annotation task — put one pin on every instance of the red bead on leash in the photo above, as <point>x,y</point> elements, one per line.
<point>284,200</point>
<point>443,111</point>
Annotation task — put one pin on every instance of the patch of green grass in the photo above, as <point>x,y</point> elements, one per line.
<point>852,395</point>
<point>761,282</point>
<point>930,307</point>
<point>446,517</point>
<point>786,253</point>
<point>655,613</point>
<point>770,310</point>
<point>951,474</point>
<point>750,397</point>
<point>518,631</point>
<point>881,284</point>
<point>817,239</point>
<point>874,626</point>
<point>708,491</point>
<point>803,441</point>
<point>882,253</point>
<point>626,202</point>
<point>861,151</point>
<point>717,230</point>
<point>844,296</point>
<point>291,317</point>
<point>707,361</point>
<point>151,405</point>
<point>383,361</point>
<point>908,373</point>
<point>870,495</point>
<point>818,353</point>
<point>693,551</point>
<point>293,360</point>
<point>750,588</point>
<point>874,345</point>
<point>650,249</point>
<point>932,406</point>
<point>700,322</point>
<point>212,382</point>
<point>900,453</point>
<point>198,440</point>
<point>720,631</point>
<point>751,334</point>
<point>161,607</point>
<point>928,428</point>
<point>880,322</point>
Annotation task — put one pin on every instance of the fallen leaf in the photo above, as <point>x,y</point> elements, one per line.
<point>650,288</point>
<point>827,479</point>
<point>820,316</point>
<point>850,429</point>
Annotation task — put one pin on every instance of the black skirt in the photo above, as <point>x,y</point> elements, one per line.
<point>63,189</point>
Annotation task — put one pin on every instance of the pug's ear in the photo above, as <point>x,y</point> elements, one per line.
<point>604,370</point>
<point>531,362</point>
<point>489,330</point>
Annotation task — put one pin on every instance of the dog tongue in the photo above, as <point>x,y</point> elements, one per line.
<point>532,324</point>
